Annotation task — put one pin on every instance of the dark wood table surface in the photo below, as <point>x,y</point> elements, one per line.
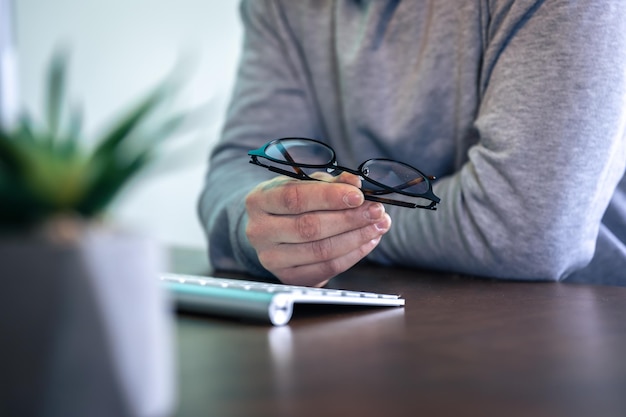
<point>460,347</point>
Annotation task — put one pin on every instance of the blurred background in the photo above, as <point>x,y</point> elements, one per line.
<point>119,49</point>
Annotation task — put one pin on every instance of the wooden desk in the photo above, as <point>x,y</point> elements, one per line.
<point>460,347</point>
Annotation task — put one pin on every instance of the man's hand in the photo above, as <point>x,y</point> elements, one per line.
<point>306,232</point>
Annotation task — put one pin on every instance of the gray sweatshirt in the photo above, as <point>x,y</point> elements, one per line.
<point>518,108</point>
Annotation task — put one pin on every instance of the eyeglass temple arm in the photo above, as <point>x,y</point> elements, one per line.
<point>367,194</point>
<point>405,185</point>
<point>300,175</point>
<point>370,197</point>
<point>288,157</point>
<point>415,181</point>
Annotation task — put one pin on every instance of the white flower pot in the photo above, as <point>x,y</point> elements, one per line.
<point>85,328</point>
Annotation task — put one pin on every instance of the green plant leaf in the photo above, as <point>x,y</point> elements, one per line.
<point>69,143</point>
<point>56,92</point>
<point>45,171</point>
<point>121,131</point>
<point>114,176</point>
<point>75,125</point>
<point>20,206</point>
<point>9,155</point>
<point>24,130</point>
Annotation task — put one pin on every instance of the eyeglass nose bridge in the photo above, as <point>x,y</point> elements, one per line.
<point>335,167</point>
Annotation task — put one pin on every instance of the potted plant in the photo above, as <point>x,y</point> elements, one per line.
<point>85,327</point>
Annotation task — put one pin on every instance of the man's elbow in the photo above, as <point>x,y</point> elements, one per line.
<point>547,260</point>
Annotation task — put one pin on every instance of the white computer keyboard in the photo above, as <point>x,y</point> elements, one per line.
<point>262,301</point>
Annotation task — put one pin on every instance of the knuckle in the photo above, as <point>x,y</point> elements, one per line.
<point>308,226</point>
<point>330,268</point>
<point>368,233</point>
<point>316,277</point>
<point>292,198</point>
<point>266,260</point>
<point>253,231</point>
<point>365,249</point>
<point>322,249</point>
<point>271,259</point>
<point>288,277</point>
<point>251,200</point>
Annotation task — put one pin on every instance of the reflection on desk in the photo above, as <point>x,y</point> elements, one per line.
<point>460,347</point>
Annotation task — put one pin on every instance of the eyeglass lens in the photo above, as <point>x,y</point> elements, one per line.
<point>300,152</point>
<point>395,175</point>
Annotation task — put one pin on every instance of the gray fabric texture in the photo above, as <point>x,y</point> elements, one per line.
<point>518,108</point>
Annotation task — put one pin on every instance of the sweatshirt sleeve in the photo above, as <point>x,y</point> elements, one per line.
<point>269,72</point>
<point>551,149</point>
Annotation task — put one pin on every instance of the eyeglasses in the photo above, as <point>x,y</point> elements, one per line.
<point>400,183</point>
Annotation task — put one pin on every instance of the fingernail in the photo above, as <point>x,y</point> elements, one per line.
<point>374,212</point>
<point>382,225</point>
<point>353,199</point>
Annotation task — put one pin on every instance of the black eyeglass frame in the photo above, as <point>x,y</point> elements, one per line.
<point>371,195</point>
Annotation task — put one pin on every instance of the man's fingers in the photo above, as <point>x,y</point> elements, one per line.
<point>284,195</point>
<point>318,274</point>
<point>344,177</point>
<point>314,226</point>
<point>324,251</point>
<point>306,232</point>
